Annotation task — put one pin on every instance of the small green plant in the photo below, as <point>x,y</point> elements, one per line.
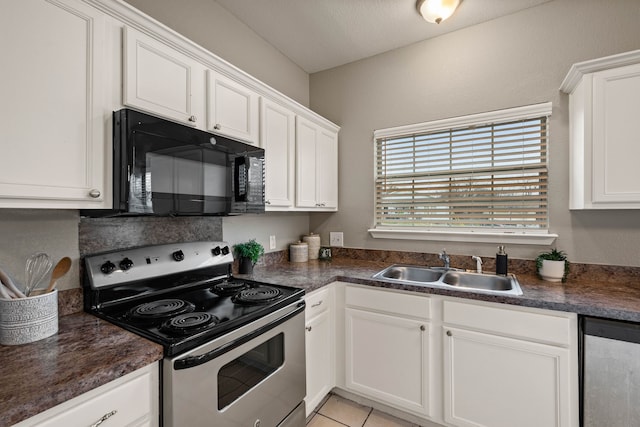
<point>553,255</point>
<point>251,249</point>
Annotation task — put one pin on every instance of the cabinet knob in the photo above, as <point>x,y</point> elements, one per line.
<point>308,328</point>
<point>423,328</point>
<point>449,333</point>
<point>193,119</point>
<point>316,304</point>
<point>267,202</point>
<point>94,193</point>
<point>104,418</point>
<point>217,126</point>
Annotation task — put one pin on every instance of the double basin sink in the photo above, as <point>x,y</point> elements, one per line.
<point>450,278</point>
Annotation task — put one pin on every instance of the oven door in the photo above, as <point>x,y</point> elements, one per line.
<point>253,376</point>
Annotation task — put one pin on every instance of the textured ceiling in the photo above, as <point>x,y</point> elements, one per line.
<point>322,34</point>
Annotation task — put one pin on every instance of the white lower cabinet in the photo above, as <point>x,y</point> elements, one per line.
<point>319,346</point>
<point>388,340</point>
<point>505,367</point>
<point>130,401</point>
<point>459,362</point>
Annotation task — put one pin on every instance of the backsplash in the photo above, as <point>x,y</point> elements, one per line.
<point>578,272</point>
<point>107,234</point>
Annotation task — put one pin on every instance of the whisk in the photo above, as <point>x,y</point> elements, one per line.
<point>36,268</point>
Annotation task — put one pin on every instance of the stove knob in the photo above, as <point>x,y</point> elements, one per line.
<point>126,264</point>
<point>216,251</point>
<point>178,255</point>
<point>107,267</point>
<point>225,250</point>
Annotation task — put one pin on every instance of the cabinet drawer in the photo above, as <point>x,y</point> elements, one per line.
<point>131,400</point>
<point>548,328</point>
<point>317,302</point>
<point>392,302</point>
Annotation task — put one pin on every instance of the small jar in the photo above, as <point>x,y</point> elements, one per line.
<point>299,252</point>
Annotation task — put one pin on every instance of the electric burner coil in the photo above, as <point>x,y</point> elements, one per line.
<point>160,309</point>
<point>189,323</point>
<point>257,295</point>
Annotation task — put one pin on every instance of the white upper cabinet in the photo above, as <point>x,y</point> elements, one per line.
<point>162,81</point>
<point>604,106</point>
<point>54,129</point>
<point>277,137</point>
<point>232,109</point>
<point>316,166</point>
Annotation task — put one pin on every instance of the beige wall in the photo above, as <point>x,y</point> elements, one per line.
<point>210,25</point>
<point>515,60</point>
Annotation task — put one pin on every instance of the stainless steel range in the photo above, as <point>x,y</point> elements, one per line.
<point>234,349</point>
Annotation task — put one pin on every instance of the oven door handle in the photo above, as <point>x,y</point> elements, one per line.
<point>192,361</point>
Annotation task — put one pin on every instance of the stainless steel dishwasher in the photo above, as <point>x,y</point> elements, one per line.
<point>610,373</point>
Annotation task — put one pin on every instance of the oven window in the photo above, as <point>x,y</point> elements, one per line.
<point>243,373</point>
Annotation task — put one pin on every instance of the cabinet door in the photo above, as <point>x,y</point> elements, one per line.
<point>162,81</point>
<point>327,169</point>
<point>492,381</point>
<point>387,358</point>
<point>319,354</point>
<point>277,137</point>
<point>306,136</point>
<point>232,109</point>
<point>53,131</point>
<point>616,107</point>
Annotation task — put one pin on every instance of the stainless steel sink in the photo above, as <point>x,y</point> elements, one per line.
<point>451,279</point>
<point>410,273</point>
<point>487,282</point>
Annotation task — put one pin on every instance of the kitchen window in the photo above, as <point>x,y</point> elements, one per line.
<point>481,177</point>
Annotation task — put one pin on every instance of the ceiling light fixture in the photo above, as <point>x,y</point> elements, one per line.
<point>436,11</point>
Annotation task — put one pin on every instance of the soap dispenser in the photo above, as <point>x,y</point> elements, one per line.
<point>501,262</point>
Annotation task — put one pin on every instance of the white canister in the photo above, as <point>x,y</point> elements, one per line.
<point>313,240</point>
<point>25,320</point>
<point>299,252</point>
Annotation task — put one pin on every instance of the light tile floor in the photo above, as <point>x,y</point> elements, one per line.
<point>337,411</point>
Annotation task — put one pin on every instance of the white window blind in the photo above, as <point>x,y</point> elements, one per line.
<point>484,176</point>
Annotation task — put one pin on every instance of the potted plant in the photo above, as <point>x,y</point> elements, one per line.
<point>553,266</point>
<point>248,254</point>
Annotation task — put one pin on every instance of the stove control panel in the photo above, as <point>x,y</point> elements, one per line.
<point>115,268</point>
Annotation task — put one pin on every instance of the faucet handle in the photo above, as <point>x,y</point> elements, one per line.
<point>478,261</point>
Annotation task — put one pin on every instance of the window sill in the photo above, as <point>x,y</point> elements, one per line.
<point>513,238</point>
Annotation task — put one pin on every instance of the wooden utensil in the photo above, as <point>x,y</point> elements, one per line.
<point>61,268</point>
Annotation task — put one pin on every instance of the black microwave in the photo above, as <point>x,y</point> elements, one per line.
<point>165,168</point>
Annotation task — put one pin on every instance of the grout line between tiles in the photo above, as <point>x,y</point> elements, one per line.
<point>366,419</point>
<point>347,425</point>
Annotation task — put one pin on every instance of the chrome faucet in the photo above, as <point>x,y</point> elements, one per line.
<point>478,261</point>
<point>445,258</point>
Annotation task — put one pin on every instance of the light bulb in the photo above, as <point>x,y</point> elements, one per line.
<point>436,11</point>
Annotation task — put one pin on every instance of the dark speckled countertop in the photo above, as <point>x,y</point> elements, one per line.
<point>86,353</point>
<point>598,295</point>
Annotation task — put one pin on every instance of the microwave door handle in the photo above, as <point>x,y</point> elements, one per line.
<point>193,361</point>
